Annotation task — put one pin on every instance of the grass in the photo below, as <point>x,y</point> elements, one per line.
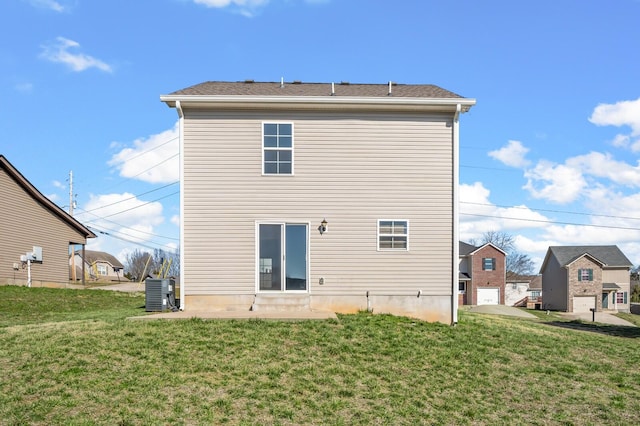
<point>88,364</point>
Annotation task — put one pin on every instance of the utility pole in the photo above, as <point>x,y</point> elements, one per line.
<point>71,192</point>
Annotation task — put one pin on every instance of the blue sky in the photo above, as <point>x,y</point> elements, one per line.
<point>549,154</point>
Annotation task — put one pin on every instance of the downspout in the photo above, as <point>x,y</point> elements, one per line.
<point>181,142</point>
<point>456,220</point>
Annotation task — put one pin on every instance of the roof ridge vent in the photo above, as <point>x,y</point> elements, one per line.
<point>249,81</point>
<point>297,81</point>
<point>344,83</point>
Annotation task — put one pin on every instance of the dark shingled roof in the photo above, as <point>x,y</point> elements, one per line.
<point>251,88</point>
<point>466,249</point>
<point>609,255</point>
<point>101,256</point>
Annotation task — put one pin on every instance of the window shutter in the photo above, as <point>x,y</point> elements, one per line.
<point>625,298</point>
<point>579,274</point>
<point>590,274</point>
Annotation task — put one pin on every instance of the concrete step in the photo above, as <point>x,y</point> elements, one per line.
<point>281,303</point>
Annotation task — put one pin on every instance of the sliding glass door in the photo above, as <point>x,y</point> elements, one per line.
<point>283,257</point>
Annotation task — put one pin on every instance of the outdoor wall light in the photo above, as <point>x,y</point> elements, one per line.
<point>323,226</point>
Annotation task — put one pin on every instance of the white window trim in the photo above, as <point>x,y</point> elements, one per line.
<point>257,255</point>
<point>263,148</point>
<point>391,235</point>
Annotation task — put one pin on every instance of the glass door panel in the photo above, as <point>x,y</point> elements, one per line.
<point>270,266</point>
<point>296,257</point>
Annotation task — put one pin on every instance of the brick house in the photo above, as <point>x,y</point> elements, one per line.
<point>581,278</point>
<point>482,275</point>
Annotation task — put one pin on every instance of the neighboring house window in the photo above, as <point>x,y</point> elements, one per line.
<point>277,148</point>
<point>489,264</point>
<point>535,294</point>
<point>393,235</point>
<point>621,297</point>
<point>585,274</point>
<point>462,287</point>
<point>102,269</point>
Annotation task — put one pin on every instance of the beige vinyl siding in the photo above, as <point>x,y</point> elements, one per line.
<point>350,169</point>
<point>26,223</point>
<point>554,286</point>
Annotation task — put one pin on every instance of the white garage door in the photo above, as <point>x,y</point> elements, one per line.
<point>488,296</point>
<point>583,303</point>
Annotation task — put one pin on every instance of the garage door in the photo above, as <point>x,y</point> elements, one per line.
<point>583,303</point>
<point>488,296</point>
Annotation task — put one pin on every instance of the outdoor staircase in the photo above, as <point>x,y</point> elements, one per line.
<point>281,303</point>
<point>522,303</point>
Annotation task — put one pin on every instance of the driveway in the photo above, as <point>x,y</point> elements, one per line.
<point>501,310</point>
<point>601,317</point>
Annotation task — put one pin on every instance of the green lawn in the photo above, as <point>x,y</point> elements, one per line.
<point>71,357</point>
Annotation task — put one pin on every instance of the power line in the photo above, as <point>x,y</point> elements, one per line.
<point>127,227</point>
<point>111,234</point>
<point>552,222</point>
<point>132,197</point>
<point>552,211</point>
<point>141,205</point>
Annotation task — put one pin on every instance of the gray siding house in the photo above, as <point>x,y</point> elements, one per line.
<point>322,196</point>
<point>32,220</point>
<point>580,278</point>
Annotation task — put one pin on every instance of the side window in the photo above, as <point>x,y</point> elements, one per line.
<point>585,274</point>
<point>277,148</point>
<point>488,263</point>
<point>393,235</point>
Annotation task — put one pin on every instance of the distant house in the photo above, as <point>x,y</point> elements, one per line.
<point>98,266</point>
<point>580,278</point>
<point>29,220</point>
<point>482,275</point>
<point>338,197</point>
<point>523,291</point>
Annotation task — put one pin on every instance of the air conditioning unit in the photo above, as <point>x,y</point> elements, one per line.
<point>160,295</point>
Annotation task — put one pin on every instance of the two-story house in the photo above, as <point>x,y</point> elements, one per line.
<point>482,275</point>
<point>580,278</point>
<point>322,196</point>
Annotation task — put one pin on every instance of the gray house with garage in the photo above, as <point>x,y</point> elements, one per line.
<point>581,278</point>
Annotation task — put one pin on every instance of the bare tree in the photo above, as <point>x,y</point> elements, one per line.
<point>517,263</point>
<point>167,262</point>
<point>138,264</point>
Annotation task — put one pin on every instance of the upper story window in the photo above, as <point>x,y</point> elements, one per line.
<point>488,263</point>
<point>277,148</point>
<point>393,235</point>
<point>585,274</point>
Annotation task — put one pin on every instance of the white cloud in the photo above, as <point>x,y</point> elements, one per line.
<point>58,184</point>
<point>512,154</point>
<point>48,4</point>
<point>247,8</point>
<point>623,113</point>
<point>59,51</point>
<point>53,197</point>
<point>557,183</point>
<point>602,165</point>
<point>24,87</point>
<point>123,216</point>
<point>154,159</point>
<point>175,219</point>
<point>620,114</point>
<point>479,215</point>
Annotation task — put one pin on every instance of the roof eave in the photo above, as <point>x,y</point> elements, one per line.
<point>315,102</point>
